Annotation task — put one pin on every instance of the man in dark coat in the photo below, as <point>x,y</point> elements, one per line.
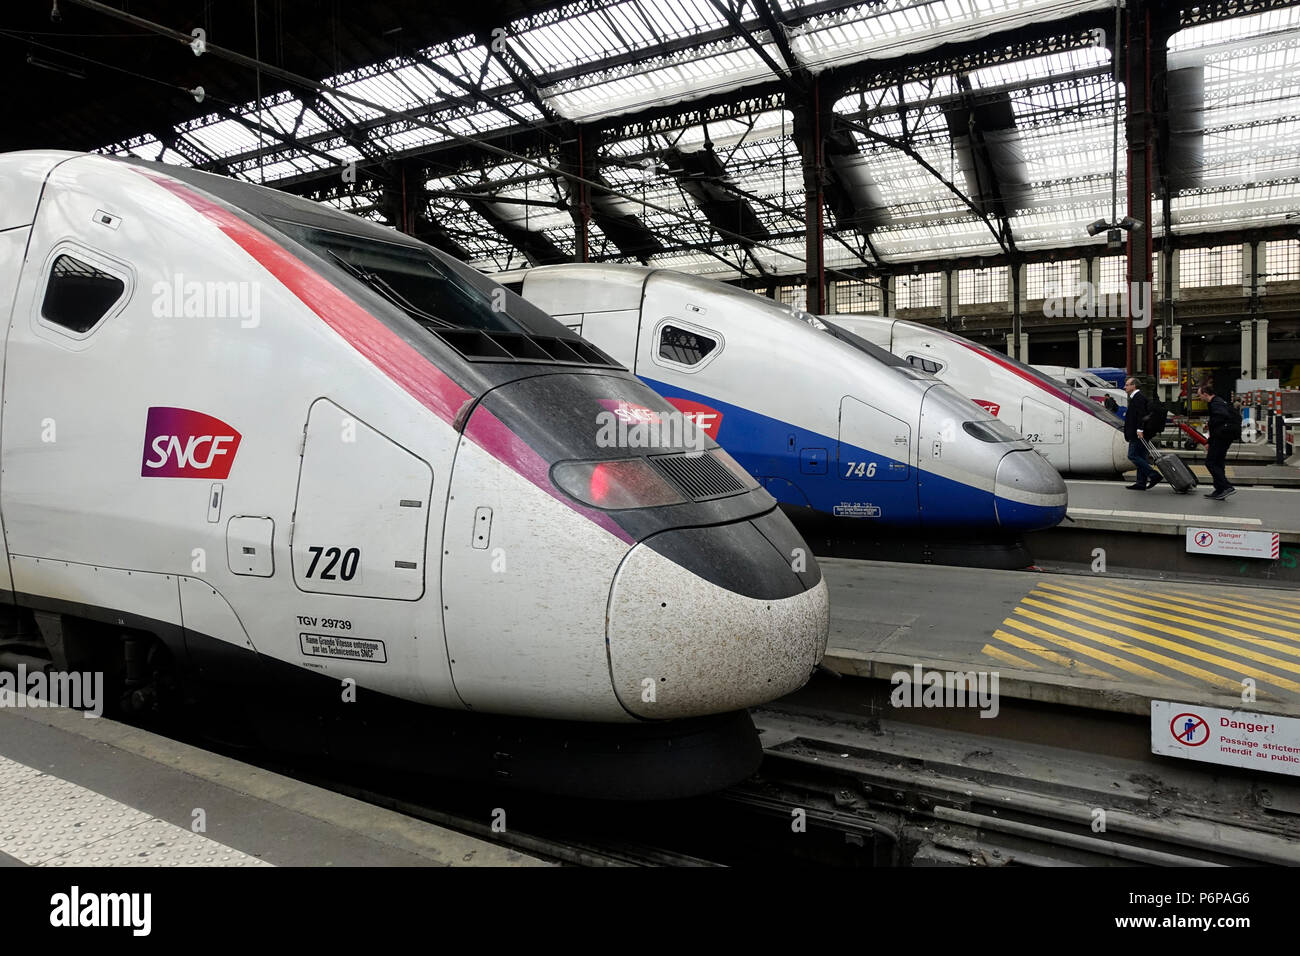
<point>1135,420</point>
<point>1224,428</point>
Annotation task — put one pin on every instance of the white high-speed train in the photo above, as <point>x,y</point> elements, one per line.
<point>260,452</point>
<point>1074,433</point>
<point>829,425</point>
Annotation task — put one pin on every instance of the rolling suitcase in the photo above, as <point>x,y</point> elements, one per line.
<point>1172,469</point>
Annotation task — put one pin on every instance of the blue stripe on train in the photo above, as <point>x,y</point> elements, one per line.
<point>780,455</point>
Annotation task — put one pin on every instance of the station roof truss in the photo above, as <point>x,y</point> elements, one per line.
<point>956,129</point>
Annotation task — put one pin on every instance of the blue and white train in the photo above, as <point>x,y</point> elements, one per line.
<point>828,423</point>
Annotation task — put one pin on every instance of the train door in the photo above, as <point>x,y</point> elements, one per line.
<point>873,445</point>
<point>873,463</point>
<point>360,530</point>
<point>13,243</point>
<point>362,512</point>
<point>67,327</point>
<point>1042,425</point>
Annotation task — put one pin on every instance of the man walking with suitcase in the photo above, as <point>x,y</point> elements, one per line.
<point>1135,420</point>
<point>1224,429</point>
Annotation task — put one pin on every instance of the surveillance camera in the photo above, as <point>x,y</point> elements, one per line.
<point>1129,223</point>
<point>1100,226</point>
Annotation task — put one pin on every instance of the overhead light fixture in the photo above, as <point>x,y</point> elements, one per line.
<point>1114,230</point>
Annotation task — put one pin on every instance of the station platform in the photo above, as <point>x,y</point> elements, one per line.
<point>1096,641</point>
<point>1248,463</point>
<point>1109,504</point>
<point>78,791</point>
<point>1258,452</point>
<point>1145,533</point>
<point>1247,475</point>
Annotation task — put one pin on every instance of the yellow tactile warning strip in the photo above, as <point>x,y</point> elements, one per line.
<point>1167,634</point>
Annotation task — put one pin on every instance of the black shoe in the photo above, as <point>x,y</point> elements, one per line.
<point>1218,495</point>
<point>1136,487</point>
<point>1229,491</point>
<point>1154,481</point>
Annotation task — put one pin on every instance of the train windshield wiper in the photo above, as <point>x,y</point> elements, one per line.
<point>382,286</point>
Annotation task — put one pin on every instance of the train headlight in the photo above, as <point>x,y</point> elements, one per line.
<point>615,485</point>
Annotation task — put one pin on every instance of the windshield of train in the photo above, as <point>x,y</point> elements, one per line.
<point>436,293</point>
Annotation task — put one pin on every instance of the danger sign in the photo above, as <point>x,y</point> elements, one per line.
<point>1236,544</point>
<point>1234,738</point>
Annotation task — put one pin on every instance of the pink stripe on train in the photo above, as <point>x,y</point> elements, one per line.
<point>387,350</point>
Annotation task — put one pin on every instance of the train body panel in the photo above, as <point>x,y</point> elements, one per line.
<point>839,429</point>
<point>489,519</point>
<point>1070,430</point>
<point>227,427</point>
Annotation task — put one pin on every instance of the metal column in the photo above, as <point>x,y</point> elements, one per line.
<point>814,178</point>
<point>1141,55</point>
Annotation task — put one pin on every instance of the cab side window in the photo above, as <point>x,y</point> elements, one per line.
<point>79,294</point>
<point>924,364</point>
<point>684,346</point>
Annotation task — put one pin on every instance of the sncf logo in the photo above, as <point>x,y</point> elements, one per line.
<point>991,407</point>
<point>630,413</point>
<point>179,443</point>
<point>707,419</point>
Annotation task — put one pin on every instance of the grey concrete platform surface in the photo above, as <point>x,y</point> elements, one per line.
<point>1259,452</point>
<point>1095,641</point>
<point>1246,475</point>
<point>1243,475</point>
<point>76,791</point>
<point>1109,505</point>
<point>1247,464</point>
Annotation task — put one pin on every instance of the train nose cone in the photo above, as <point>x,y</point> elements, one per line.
<point>695,631</point>
<point>1119,452</point>
<point>1029,493</point>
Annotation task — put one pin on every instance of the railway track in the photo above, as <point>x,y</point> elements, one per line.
<point>842,791</point>
<point>846,782</point>
<point>950,797</point>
